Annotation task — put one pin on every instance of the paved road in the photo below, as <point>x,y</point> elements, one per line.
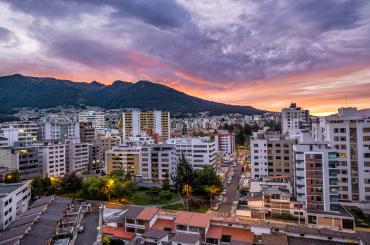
<point>88,237</point>
<point>231,193</point>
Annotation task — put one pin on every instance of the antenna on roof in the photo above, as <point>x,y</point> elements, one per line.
<point>346,101</point>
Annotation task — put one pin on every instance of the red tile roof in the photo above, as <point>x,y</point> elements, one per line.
<point>118,232</point>
<point>160,224</point>
<point>237,234</point>
<point>147,214</point>
<point>193,219</point>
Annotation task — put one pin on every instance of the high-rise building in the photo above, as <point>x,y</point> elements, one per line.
<point>225,141</point>
<point>272,155</point>
<point>87,132</point>
<point>199,152</point>
<point>77,156</point>
<point>153,123</point>
<point>20,133</point>
<point>349,133</point>
<point>126,158</point>
<point>60,128</point>
<point>294,118</point>
<point>52,157</point>
<point>316,175</point>
<point>96,118</point>
<point>158,163</point>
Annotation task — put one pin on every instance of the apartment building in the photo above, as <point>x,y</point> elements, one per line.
<point>96,118</point>
<point>158,162</point>
<point>14,199</point>
<point>77,156</point>
<point>349,133</point>
<point>87,132</point>
<point>52,157</point>
<point>199,152</point>
<point>225,141</point>
<point>316,175</point>
<point>294,118</point>
<point>272,155</point>
<point>126,158</point>
<point>150,163</point>
<point>60,128</point>
<point>23,159</point>
<point>153,123</point>
<point>20,133</point>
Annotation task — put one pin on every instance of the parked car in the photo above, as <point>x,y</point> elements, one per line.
<point>80,228</point>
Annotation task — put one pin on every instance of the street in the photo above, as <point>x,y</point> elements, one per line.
<point>231,193</point>
<point>90,222</point>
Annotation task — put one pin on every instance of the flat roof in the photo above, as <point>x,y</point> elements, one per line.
<point>9,188</point>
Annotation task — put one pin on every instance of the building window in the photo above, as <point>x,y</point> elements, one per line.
<point>226,238</point>
<point>193,229</point>
<point>181,227</point>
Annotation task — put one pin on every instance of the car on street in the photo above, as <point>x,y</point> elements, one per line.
<point>80,228</point>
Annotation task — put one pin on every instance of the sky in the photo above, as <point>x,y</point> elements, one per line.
<point>262,53</point>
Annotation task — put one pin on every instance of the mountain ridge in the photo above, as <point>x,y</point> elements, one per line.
<point>43,92</point>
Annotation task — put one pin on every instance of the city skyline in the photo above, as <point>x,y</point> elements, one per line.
<point>264,54</point>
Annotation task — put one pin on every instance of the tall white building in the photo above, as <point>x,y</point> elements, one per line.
<point>349,133</point>
<point>60,128</point>
<point>77,156</point>
<point>294,118</point>
<point>199,152</point>
<point>52,157</point>
<point>14,199</point>
<point>97,118</point>
<point>158,163</point>
<point>20,133</point>
<point>258,151</point>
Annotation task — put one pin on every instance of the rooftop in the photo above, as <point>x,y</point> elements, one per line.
<point>9,188</point>
<point>147,214</point>
<point>155,234</point>
<point>193,219</point>
<point>182,237</point>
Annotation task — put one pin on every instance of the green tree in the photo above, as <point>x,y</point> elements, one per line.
<point>41,186</point>
<point>71,183</point>
<point>165,196</point>
<point>205,178</point>
<point>117,173</point>
<point>93,187</point>
<point>184,174</point>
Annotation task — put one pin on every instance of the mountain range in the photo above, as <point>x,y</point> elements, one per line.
<point>44,92</point>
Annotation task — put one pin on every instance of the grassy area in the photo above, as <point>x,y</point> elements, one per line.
<point>180,206</point>
<point>145,197</point>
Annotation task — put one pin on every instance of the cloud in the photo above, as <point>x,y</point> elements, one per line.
<point>194,45</point>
